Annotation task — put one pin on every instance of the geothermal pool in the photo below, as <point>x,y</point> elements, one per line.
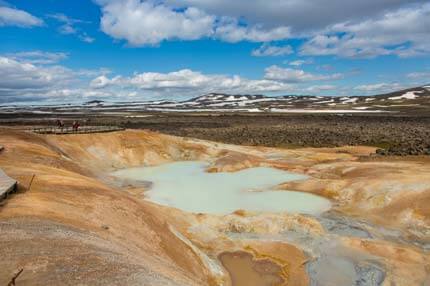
<point>186,186</point>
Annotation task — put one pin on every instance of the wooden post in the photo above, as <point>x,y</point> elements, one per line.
<point>31,182</point>
<point>12,281</point>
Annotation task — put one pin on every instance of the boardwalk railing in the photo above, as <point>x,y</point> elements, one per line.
<point>81,130</point>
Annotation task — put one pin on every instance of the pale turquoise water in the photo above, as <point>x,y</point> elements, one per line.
<point>186,185</point>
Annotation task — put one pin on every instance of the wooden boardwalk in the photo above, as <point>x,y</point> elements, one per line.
<point>81,130</point>
<point>7,185</point>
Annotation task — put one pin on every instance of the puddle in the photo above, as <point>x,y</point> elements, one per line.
<point>330,263</point>
<point>245,270</point>
<point>186,185</point>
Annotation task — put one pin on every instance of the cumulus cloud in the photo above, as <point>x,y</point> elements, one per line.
<point>355,29</point>
<point>189,82</point>
<point>103,81</point>
<point>21,75</point>
<point>404,32</point>
<point>267,50</point>
<point>230,30</point>
<point>151,22</point>
<point>22,80</point>
<point>295,75</point>
<point>148,22</point>
<point>14,17</point>
<point>301,16</point>
<point>36,75</point>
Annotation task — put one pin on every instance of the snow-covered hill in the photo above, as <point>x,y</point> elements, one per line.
<point>410,100</point>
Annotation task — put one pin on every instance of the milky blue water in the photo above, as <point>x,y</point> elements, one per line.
<point>186,185</point>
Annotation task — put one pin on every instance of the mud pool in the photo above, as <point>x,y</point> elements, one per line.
<point>244,269</point>
<point>187,186</point>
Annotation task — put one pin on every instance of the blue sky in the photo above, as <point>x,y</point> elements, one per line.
<point>152,49</point>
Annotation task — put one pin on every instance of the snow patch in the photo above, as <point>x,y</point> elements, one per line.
<point>408,95</point>
<point>254,110</point>
<point>327,101</point>
<point>350,100</point>
<point>323,110</point>
<point>361,108</point>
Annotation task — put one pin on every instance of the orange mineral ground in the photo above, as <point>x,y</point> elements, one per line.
<point>78,225</point>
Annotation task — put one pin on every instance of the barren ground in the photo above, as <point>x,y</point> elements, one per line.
<point>78,225</point>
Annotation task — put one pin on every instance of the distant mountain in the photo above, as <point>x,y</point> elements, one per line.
<point>413,100</point>
<point>419,92</point>
<point>94,102</point>
<point>221,97</point>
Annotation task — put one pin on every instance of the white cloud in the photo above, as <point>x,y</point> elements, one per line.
<point>69,27</point>
<point>267,50</point>
<point>148,23</point>
<point>354,29</point>
<point>294,75</point>
<point>15,17</point>
<point>38,57</point>
<point>301,16</point>
<point>103,81</point>
<point>230,30</point>
<point>319,88</point>
<point>358,29</point>
<point>68,23</point>
<point>404,32</point>
<point>298,63</point>
<point>188,82</point>
<point>21,80</point>
<point>21,75</point>
<point>419,75</point>
<point>378,87</point>
<point>100,82</point>
<point>77,93</point>
<point>151,22</point>
<point>85,38</point>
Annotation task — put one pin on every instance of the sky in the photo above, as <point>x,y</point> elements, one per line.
<point>132,50</point>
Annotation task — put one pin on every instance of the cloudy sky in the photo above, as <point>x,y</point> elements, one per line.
<point>124,50</point>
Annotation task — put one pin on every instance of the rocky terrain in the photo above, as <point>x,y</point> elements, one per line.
<point>76,224</point>
<point>393,135</point>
